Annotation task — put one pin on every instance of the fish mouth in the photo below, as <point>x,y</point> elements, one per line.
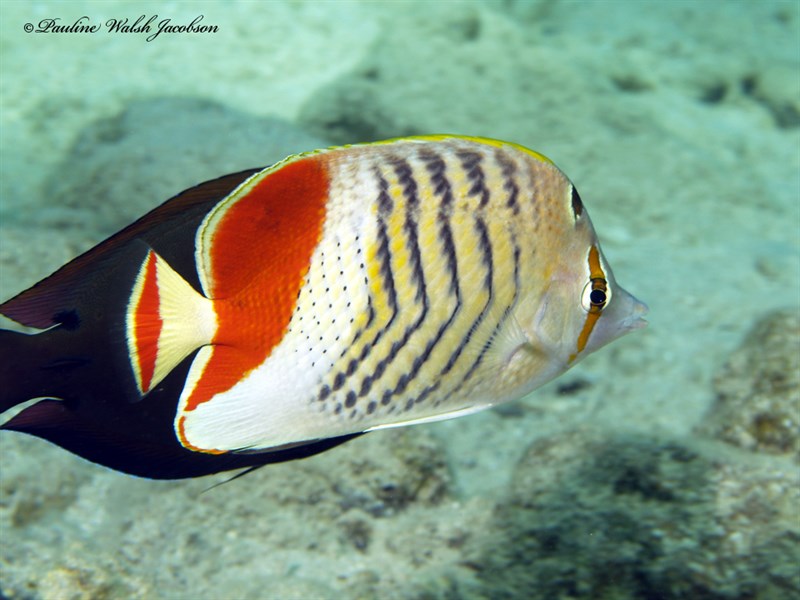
<point>636,319</point>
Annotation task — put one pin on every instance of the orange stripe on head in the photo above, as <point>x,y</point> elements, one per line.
<point>598,282</point>
<point>258,249</point>
<point>583,338</point>
<point>595,268</point>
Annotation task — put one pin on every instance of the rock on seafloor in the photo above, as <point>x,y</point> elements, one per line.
<point>758,389</point>
<point>601,516</point>
<point>377,509</point>
<point>539,86</point>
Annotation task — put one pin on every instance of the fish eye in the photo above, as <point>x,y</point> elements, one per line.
<point>595,295</point>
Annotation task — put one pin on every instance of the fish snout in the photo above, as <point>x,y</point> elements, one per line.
<point>637,312</point>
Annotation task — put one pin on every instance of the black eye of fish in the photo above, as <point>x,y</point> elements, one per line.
<point>597,297</point>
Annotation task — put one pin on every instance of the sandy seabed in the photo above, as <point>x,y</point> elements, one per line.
<point>679,122</point>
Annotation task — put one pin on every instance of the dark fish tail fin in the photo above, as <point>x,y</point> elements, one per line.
<point>57,363</point>
<point>91,419</point>
<point>82,353</point>
<point>84,370</point>
<point>20,377</point>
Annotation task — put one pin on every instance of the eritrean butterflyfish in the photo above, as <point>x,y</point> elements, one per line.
<point>275,313</point>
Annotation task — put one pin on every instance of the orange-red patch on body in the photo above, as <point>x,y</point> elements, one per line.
<point>260,253</point>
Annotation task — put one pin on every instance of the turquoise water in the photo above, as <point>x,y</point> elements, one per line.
<point>664,466</point>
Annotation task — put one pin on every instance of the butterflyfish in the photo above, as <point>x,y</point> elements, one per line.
<point>275,313</point>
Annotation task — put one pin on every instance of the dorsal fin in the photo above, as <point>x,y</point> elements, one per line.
<point>51,301</point>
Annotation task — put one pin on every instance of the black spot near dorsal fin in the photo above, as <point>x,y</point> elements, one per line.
<point>577,204</point>
<point>68,319</point>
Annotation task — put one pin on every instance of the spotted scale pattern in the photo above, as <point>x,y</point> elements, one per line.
<point>441,278</point>
<point>410,310</point>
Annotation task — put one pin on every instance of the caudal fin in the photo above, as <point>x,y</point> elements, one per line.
<point>92,418</point>
<point>22,377</point>
<point>81,367</point>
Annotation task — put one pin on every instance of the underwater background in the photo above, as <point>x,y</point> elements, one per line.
<point>664,466</point>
